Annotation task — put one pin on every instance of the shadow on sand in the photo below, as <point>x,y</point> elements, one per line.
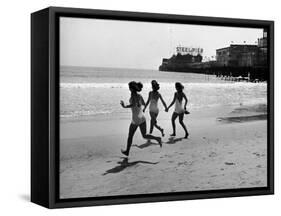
<point>125,164</point>
<point>237,119</point>
<point>145,145</point>
<point>173,140</point>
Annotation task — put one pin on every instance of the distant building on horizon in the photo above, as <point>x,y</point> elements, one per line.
<point>243,55</point>
<point>262,45</point>
<point>237,55</point>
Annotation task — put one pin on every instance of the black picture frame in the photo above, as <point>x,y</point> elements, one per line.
<point>45,106</point>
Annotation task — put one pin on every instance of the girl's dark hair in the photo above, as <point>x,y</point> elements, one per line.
<point>155,85</point>
<point>136,86</point>
<point>179,86</point>
<point>139,86</point>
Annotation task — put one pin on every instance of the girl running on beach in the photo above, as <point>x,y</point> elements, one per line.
<point>153,98</point>
<point>179,109</point>
<point>138,118</point>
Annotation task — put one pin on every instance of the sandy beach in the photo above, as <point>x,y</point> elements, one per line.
<point>227,148</point>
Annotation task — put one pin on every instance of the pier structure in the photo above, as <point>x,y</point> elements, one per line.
<point>237,62</point>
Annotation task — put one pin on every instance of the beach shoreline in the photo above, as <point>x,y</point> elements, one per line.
<point>218,155</point>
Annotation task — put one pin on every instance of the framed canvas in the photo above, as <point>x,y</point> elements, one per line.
<point>138,107</point>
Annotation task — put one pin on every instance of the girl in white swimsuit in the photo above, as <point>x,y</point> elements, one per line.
<point>179,108</point>
<point>152,100</point>
<point>138,118</point>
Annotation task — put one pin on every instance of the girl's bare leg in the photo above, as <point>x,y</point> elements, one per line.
<point>132,130</point>
<point>148,136</point>
<point>157,126</point>
<point>183,125</point>
<point>152,122</point>
<point>174,117</point>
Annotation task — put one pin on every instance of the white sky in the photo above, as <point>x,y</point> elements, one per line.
<point>130,44</point>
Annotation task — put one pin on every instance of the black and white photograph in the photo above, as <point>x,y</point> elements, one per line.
<point>151,107</point>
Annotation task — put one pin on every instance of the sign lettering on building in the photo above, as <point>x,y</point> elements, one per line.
<point>189,50</point>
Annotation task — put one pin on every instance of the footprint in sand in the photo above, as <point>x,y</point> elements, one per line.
<point>213,154</point>
<point>257,154</point>
<point>186,163</point>
<point>169,156</point>
<point>229,163</point>
<point>182,163</point>
<point>259,166</point>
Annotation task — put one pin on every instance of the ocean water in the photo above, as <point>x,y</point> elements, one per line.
<point>90,91</point>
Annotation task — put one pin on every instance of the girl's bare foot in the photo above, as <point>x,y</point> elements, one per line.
<point>159,141</point>
<point>186,135</point>
<point>125,152</point>
<point>173,134</point>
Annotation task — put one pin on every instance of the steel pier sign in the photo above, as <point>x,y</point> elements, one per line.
<point>189,50</point>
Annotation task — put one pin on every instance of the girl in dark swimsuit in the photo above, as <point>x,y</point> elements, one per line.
<point>179,109</point>
<point>138,118</point>
<point>153,98</point>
